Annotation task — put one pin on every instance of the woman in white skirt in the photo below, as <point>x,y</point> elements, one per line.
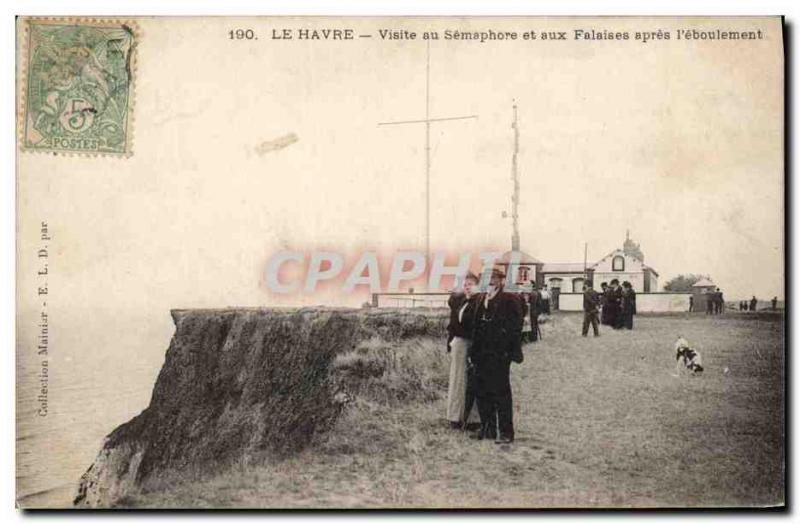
<point>459,339</point>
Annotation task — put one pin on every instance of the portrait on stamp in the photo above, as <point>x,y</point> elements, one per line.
<point>78,95</point>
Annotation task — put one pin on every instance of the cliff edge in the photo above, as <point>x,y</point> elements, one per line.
<point>237,382</point>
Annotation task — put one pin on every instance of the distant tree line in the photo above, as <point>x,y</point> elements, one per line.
<point>684,282</point>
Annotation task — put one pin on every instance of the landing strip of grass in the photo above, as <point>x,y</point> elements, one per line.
<point>600,423</point>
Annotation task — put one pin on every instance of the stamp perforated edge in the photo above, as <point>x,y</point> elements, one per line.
<point>23,56</point>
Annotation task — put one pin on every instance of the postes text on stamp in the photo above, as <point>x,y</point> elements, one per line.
<point>78,91</point>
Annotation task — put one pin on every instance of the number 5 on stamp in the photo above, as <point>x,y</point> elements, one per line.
<point>78,92</point>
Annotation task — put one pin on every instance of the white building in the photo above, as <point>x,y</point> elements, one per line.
<point>565,281</point>
<point>621,264</point>
<point>625,266</point>
<point>704,285</point>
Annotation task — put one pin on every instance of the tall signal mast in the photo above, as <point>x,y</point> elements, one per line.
<point>428,120</point>
<point>515,179</point>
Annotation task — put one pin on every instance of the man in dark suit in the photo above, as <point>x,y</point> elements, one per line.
<point>496,343</point>
<point>536,310</point>
<point>605,297</point>
<point>614,304</point>
<point>590,302</point>
<point>628,308</point>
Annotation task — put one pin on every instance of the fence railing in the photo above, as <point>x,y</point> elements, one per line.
<point>410,300</point>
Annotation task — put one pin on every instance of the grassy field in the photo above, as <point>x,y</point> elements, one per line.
<point>600,423</point>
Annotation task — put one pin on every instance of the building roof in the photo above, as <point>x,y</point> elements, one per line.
<point>645,266</point>
<point>704,282</point>
<point>568,267</point>
<point>521,257</point>
<point>613,253</point>
<point>622,252</point>
<point>565,267</point>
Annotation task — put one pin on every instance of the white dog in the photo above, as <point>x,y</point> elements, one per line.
<point>687,357</point>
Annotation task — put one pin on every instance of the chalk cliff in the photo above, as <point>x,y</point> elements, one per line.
<point>237,382</point>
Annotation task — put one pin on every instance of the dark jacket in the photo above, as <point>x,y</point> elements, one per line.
<point>536,304</point>
<point>629,302</point>
<point>616,296</point>
<point>524,305</point>
<point>497,328</point>
<point>465,327</point>
<point>602,296</point>
<point>590,301</point>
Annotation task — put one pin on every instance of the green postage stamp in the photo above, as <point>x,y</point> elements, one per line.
<point>78,91</point>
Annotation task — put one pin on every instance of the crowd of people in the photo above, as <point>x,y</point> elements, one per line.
<point>715,303</point>
<point>614,306</point>
<point>485,337</point>
<point>617,304</point>
<point>752,304</point>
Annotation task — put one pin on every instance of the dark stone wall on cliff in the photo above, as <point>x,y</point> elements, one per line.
<point>237,382</point>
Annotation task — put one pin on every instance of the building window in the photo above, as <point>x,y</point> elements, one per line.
<point>618,263</point>
<point>523,274</point>
<point>577,285</point>
<point>555,283</point>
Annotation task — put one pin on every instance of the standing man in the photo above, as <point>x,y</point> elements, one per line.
<point>590,303</point>
<point>495,345</point>
<point>536,310</point>
<point>628,305</point>
<point>753,303</point>
<point>605,312</point>
<point>691,303</point>
<point>614,303</point>
<point>545,296</point>
<point>774,303</point>
<point>523,305</point>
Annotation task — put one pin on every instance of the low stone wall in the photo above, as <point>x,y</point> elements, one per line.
<point>645,302</point>
<point>410,300</point>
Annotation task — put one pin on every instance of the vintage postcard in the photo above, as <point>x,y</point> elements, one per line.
<point>408,262</point>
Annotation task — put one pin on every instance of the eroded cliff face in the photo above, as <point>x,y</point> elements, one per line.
<point>238,382</point>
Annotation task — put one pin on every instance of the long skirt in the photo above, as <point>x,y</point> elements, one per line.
<point>457,388</point>
<point>627,320</point>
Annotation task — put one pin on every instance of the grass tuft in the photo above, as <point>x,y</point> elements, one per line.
<point>413,370</point>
